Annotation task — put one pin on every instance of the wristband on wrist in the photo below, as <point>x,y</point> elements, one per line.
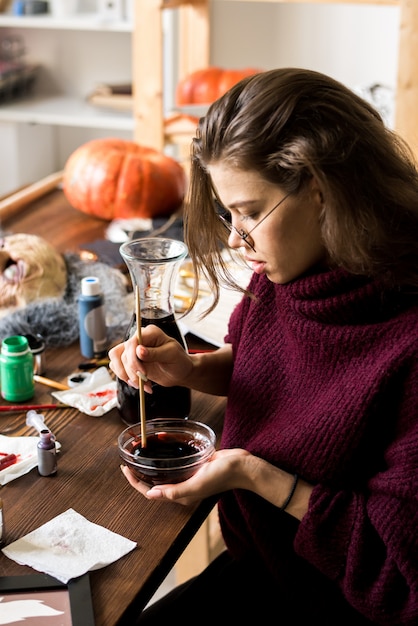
<point>291,492</point>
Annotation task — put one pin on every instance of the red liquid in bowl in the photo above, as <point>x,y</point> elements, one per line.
<point>165,446</point>
<point>169,456</point>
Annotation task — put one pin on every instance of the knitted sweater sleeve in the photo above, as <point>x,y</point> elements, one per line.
<point>360,530</point>
<point>366,539</point>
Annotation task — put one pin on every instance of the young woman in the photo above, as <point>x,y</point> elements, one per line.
<point>317,474</point>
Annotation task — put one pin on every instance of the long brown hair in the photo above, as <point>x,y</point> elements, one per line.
<point>290,125</point>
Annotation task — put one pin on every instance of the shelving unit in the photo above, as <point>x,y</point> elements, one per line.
<point>194,53</point>
<point>148,123</point>
<point>73,54</point>
<point>148,78</point>
<point>64,109</point>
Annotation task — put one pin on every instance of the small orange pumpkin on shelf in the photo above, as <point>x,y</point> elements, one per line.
<point>117,179</point>
<point>207,85</point>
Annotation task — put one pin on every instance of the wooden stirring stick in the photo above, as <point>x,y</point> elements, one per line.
<point>140,379</point>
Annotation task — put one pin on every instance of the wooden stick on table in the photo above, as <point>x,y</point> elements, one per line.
<point>10,205</point>
<point>50,383</point>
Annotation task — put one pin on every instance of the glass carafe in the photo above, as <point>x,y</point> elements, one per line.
<point>153,265</point>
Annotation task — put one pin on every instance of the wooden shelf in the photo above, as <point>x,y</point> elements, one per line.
<point>78,22</point>
<point>65,111</point>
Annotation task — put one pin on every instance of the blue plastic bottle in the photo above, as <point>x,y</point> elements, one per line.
<point>92,319</point>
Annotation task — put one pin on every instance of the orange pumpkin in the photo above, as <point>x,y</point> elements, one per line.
<point>117,179</point>
<point>207,85</point>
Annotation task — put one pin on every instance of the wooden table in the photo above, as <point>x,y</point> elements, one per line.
<point>89,479</point>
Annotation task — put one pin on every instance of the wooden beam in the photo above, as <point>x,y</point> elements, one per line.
<point>147,73</point>
<point>148,70</point>
<point>194,37</point>
<point>17,201</point>
<point>406,120</point>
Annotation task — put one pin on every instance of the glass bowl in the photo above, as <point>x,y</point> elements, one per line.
<point>174,451</point>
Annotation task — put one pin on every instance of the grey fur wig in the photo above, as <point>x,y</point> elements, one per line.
<point>56,319</point>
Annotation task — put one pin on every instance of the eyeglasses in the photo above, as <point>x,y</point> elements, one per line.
<point>225,219</point>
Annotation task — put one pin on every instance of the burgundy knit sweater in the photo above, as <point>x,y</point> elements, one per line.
<point>325,384</point>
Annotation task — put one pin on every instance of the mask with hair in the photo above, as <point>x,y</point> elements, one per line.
<point>30,270</point>
<point>39,290</point>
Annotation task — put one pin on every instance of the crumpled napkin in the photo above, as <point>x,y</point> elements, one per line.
<point>25,448</point>
<point>96,396</point>
<point>68,546</point>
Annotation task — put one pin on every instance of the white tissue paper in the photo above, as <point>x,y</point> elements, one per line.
<point>214,326</point>
<point>96,396</point>
<point>68,546</point>
<point>25,448</point>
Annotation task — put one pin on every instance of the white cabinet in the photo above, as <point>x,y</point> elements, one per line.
<point>75,54</point>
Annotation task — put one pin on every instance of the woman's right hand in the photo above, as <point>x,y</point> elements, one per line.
<point>163,360</point>
<point>159,358</point>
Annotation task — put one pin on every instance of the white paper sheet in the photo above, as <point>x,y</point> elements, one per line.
<point>68,546</point>
<point>214,326</point>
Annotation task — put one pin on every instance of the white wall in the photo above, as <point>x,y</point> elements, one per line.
<point>357,44</point>
<point>28,152</point>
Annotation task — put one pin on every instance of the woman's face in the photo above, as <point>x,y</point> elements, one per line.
<point>288,242</point>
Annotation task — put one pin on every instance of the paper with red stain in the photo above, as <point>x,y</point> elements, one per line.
<point>95,396</point>
<point>25,450</point>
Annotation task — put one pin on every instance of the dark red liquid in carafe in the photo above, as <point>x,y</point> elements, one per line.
<point>164,401</point>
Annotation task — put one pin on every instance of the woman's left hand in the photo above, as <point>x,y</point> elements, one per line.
<point>231,469</point>
<point>212,478</point>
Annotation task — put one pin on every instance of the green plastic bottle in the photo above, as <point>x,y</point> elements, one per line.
<point>16,369</point>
